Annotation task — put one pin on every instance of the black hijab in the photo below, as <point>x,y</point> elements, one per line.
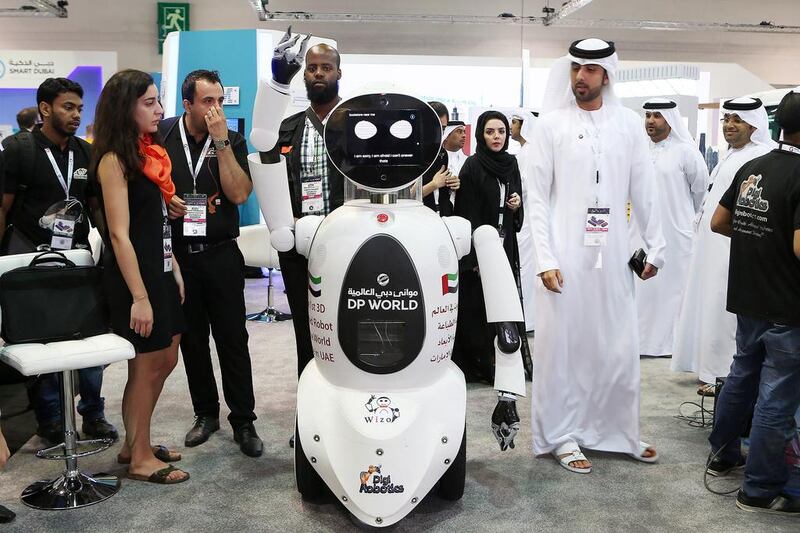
<point>501,165</point>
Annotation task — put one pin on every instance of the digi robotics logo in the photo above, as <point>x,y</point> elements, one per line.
<point>373,482</point>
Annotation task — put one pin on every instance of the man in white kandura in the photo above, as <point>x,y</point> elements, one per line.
<point>522,126</point>
<point>681,182</point>
<point>705,336</point>
<point>588,158</point>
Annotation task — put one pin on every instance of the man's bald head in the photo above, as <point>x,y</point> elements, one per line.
<point>325,49</point>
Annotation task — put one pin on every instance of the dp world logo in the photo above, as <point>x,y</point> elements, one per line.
<point>2,69</point>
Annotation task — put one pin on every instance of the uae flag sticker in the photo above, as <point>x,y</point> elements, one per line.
<point>449,283</point>
<point>315,285</point>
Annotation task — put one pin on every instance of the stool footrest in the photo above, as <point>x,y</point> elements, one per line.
<point>99,445</point>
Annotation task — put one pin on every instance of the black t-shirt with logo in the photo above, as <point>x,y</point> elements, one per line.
<point>764,273</point>
<point>36,186</point>
<point>222,215</point>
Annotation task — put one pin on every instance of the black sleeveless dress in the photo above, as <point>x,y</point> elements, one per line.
<point>146,234</point>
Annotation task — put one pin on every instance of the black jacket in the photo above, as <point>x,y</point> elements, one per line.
<point>290,137</point>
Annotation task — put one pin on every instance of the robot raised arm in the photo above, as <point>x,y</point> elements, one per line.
<point>503,309</point>
<point>268,167</point>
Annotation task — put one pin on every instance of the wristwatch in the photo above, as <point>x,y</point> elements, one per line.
<point>221,144</point>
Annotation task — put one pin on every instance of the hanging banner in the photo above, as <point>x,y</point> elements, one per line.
<point>172,16</point>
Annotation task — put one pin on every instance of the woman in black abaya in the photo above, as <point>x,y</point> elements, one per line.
<point>490,193</point>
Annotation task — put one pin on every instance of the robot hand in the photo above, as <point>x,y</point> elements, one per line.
<point>286,63</point>
<point>505,420</point>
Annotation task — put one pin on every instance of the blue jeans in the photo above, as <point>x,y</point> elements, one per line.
<point>766,374</point>
<point>48,396</point>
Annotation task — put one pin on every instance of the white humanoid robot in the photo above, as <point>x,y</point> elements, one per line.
<point>381,408</point>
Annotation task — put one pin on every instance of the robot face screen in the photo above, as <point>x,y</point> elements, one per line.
<point>378,137</point>
<point>383,142</point>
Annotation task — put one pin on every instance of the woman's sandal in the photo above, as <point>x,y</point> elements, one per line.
<point>643,447</point>
<point>162,453</point>
<point>571,453</point>
<point>160,477</point>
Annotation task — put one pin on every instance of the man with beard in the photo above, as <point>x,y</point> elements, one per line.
<point>43,168</point>
<point>211,176</point>
<point>315,185</point>
<point>681,181</point>
<point>588,158</point>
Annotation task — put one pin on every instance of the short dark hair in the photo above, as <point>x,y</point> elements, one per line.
<point>52,87</point>
<point>440,108</point>
<point>26,118</point>
<point>190,82</point>
<point>788,113</point>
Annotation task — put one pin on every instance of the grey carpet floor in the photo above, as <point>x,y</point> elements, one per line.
<point>509,491</point>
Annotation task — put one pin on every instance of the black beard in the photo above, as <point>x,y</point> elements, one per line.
<point>322,96</point>
<point>60,127</point>
<point>591,95</point>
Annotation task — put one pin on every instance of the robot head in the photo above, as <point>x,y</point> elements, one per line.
<point>383,142</point>
<point>383,401</point>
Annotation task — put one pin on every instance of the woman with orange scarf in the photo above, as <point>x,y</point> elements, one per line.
<point>142,279</point>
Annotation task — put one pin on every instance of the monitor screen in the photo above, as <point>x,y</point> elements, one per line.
<point>236,124</point>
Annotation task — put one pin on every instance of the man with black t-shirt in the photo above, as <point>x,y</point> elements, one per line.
<point>209,168</point>
<point>760,212</point>
<point>43,168</point>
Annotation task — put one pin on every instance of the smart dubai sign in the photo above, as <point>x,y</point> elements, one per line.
<point>29,68</point>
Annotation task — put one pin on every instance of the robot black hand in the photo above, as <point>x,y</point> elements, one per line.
<point>285,62</point>
<point>505,420</point>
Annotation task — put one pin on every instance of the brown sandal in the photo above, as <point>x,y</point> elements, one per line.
<point>162,453</point>
<point>160,477</point>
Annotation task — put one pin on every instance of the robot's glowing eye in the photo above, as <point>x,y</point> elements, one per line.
<point>365,130</point>
<point>401,129</point>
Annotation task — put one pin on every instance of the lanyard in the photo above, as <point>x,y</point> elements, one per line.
<point>194,172</point>
<point>502,205</point>
<point>64,184</point>
<point>789,148</point>
<point>592,131</point>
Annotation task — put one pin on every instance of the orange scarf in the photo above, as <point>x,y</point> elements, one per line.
<point>157,166</point>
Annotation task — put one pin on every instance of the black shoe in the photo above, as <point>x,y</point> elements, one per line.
<point>203,427</point>
<point>100,428</point>
<point>249,441</point>
<point>53,432</point>
<point>6,515</point>
<point>780,504</point>
<point>718,468</point>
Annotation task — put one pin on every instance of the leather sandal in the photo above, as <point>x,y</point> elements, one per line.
<point>160,477</point>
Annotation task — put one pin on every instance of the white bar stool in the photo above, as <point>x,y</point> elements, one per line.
<point>73,488</point>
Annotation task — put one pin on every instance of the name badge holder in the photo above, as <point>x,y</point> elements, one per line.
<point>167,237</point>
<point>312,195</point>
<point>63,232</point>
<point>195,219</point>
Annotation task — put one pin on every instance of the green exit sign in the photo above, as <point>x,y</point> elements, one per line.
<point>172,16</point>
